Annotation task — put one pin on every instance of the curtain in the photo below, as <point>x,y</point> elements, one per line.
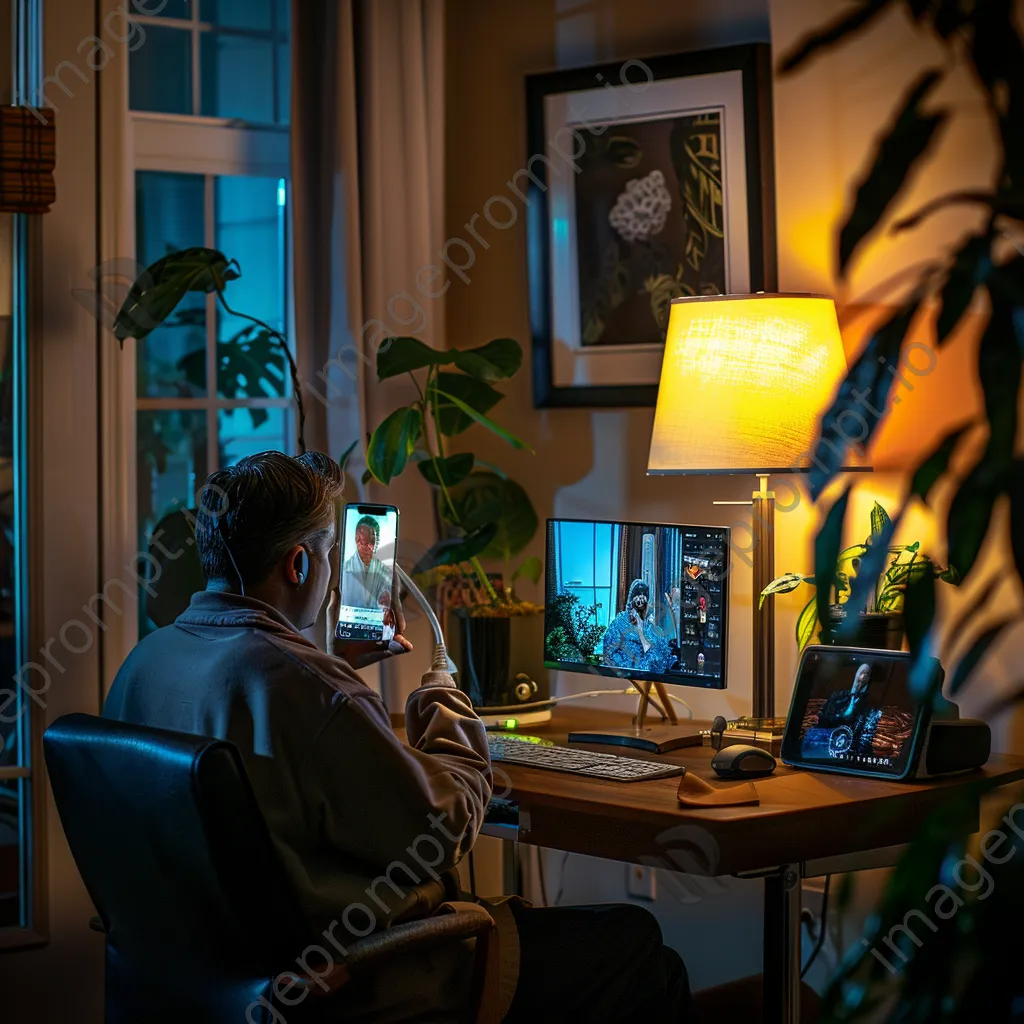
<point>368,209</point>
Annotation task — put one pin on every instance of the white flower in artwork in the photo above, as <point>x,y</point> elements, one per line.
<point>641,211</point>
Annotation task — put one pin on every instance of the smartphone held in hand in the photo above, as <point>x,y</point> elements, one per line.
<point>369,539</point>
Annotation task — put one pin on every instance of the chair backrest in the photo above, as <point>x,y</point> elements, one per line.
<point>173,849</point>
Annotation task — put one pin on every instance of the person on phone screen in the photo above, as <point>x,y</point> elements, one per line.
<point>349,803</point>
<point>365,580</point>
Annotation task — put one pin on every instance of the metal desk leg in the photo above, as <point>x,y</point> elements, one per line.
<point>782,946</point>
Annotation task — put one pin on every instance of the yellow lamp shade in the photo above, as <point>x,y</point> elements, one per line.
<point>744,381</point>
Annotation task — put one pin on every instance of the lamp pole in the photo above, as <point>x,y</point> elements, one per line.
<point>762,536</point>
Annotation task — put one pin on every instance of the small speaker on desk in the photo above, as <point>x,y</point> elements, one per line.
<point>954,745</point>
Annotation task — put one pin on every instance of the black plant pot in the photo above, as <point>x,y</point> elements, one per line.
<point>878,630</point>
<point>485,659</point>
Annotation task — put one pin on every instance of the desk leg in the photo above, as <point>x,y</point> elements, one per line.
<point>781,957</point>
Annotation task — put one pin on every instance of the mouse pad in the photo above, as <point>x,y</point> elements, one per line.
<point>695,792</point>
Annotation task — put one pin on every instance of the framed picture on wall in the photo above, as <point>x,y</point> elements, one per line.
<point>646,179</point>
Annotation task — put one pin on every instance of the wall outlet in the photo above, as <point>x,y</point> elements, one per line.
<point>641,882</point>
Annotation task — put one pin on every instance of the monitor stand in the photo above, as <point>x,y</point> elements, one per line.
<point>668,734</point>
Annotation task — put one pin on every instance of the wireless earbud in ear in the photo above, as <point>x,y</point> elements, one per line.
<point>303,568</point>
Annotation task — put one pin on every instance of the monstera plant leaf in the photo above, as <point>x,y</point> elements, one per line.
<point>485,498</point>
<point>249,365</point>
<point>497,360</point>
<point>162,285</point>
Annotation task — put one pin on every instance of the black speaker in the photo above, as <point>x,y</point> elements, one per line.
<point>954,745</point>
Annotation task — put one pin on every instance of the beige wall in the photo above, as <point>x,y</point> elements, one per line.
<point>592,462</point>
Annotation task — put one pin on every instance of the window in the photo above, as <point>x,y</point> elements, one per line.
<point>588,555</point>
<point>15,714</point>
<point>209,389</point>
<point>213,58</point>
<point>209,97</point>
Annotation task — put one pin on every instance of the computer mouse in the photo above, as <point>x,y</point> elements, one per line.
<point>742,761</point>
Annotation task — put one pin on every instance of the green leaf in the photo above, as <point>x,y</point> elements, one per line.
<point>453,469</point>
<point>880,521</point>
<point>869,376</point>
<point>177,572</point>
<point>977,651</point>
<point>484,421</point>
<point>403,355</point>
<point>163,284</point>
<point>470,546</point>
<point>347,454</point>
<point>824,38</point>
<point>970,268</point>
<point>784,584</point>
<point>476,393</point>
<point>948,575</point>
<point>934,465</point>
<point>392,443</point>
<point>531,568</point>
<point>903,144</point>
<point>366,477</point>
<point>807,623</point>
<point>826,551</point>
<point>849,559</point>
<point>497,360</point>
<point>484,498</point>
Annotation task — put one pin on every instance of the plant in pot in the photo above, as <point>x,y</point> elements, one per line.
<point>250,364</point>
<point>951,964</point>
<point>481,514</point>
<point>880,624</point>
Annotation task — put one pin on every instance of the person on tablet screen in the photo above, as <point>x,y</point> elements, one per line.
<point>850,716</point>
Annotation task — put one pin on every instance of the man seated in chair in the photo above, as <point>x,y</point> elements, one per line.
<point>370,829</point>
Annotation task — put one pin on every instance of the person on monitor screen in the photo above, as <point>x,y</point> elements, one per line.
<point>369,825</point>
<point>365,580</point>
<point>633,641</point>
<point>850,716</point>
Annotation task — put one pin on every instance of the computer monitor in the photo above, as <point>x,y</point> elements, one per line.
<point>640,601</point>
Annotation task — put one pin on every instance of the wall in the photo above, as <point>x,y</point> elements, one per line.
<point>592,463</point>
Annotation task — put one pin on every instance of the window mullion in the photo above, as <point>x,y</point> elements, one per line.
<point>212,445</point>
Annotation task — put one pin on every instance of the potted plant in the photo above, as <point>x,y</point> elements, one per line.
<point>880,624</point>
<point>481,513</point>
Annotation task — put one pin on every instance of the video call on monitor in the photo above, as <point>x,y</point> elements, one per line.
<point>637,600</point>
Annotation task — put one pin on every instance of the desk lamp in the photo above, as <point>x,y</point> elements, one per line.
<point>744,381</point>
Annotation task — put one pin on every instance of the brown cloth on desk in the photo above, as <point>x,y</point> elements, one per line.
<point>695,792</point>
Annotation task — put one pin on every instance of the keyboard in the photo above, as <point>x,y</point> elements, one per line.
<point>578,762</point>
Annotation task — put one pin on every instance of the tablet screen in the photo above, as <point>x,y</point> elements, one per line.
<point>858,712</point>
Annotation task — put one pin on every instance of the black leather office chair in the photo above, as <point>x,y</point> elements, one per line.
<point>199,914</point>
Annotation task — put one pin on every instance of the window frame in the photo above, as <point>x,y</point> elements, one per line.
<point>178,143</point>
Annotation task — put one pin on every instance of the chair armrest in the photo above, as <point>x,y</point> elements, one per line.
<point>461,921</point>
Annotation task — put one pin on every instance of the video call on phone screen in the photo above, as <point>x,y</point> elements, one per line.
<point>367,574</point>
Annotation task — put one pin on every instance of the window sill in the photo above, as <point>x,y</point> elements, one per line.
<point>13,939</point>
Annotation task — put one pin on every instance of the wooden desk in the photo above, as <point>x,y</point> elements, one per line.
<point>807,824</point>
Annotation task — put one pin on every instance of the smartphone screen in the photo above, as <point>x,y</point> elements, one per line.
<point>369,537</point>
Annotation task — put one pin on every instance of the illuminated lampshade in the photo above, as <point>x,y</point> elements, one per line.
<point>744,382</point>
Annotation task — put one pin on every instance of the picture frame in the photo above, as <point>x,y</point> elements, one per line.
<point>646,179</point>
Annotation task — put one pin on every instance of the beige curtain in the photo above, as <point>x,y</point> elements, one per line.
<point>368,209</point>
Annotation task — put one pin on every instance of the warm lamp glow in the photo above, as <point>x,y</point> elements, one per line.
<point>744,382</point>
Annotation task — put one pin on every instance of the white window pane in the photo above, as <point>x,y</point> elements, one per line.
<point>250,14</point>
<point>250,227</point>
<point>169,213</point>
<point>242,432</point>
<point>160,71</point>
<point>238,77</point>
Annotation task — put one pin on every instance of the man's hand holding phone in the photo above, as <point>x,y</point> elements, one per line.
<point>362,653</point>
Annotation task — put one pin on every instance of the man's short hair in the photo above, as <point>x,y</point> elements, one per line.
<point>261,507</point>
<point>369,523</point>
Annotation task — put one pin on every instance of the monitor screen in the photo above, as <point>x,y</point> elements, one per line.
<point>637,600</point>
<point>857,712</point>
